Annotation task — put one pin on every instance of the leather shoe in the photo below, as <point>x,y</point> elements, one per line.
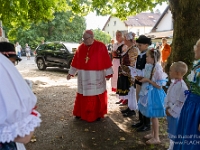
<point>98,119</point>
<point>124,102</point>
<point>129,113</point>
<point>143,129</point>
<point>137,125</point>
<point>125,110</point>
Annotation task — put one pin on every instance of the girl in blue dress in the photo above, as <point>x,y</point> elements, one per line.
<point>188,130</point>
<point>151,96</point>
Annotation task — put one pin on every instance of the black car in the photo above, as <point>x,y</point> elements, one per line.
<point>55,54</point>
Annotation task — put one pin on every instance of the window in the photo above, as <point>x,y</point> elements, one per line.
<point>71,47</point>
<point>59,47</point>
<point>50,46</point>
<point>114,23</point>
<point>41,47</point>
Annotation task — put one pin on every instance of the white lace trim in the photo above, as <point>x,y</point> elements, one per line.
<point>10,132</point>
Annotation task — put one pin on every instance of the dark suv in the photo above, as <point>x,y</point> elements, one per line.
<point>55,54</point>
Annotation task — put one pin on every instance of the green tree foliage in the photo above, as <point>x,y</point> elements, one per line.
<point>101,36</point>
<point>65,27</point>
<point>118,8</point>
<point>62,28</point>
<point>22,12</point>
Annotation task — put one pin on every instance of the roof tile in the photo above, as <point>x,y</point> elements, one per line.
<point>143,19</point>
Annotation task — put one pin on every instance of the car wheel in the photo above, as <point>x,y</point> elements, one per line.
<point>40,64</point>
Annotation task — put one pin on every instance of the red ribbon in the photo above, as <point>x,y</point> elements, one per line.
<point>33,113</point>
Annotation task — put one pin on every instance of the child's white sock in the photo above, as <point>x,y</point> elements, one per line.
<point>171,145</point>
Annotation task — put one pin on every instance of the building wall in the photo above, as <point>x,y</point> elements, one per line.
<point>139,30</point>
<point>113,25</point>
<point>166,23</point>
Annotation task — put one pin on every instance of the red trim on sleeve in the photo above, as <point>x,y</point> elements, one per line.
<point>109,76</point>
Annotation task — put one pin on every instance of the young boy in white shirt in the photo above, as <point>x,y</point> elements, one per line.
<point>175,98</point>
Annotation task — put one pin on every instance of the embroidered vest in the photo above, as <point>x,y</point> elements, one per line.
<point>140,64</point>
<point>119,51</point>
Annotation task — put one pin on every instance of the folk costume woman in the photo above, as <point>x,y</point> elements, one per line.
<point>18,118</point>
<point>188,130</point>
<point>132,72</point>
<point>128,60</point>
<point>116,55</point>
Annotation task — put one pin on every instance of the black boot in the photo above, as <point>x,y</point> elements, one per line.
<point>141,117</point>
<point>126,110</point>
<point>147,121</point>
<point>146,126</point>
<point>77,117</point>
<point>143,128</point>
<point>129,113</point>
<point>98,119</point>
<point>137,125</point>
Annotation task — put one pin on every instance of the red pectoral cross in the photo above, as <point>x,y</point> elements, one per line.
<point>86,59</point>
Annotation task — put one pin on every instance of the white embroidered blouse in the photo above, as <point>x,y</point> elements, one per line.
<point>175,97</point>
<point>17,102</point>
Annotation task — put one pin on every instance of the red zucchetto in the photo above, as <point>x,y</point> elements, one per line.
<point>89,32</point>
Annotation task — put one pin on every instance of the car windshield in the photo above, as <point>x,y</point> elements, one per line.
<point>71,46</point>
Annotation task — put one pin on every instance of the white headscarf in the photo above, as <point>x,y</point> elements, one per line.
<point>129,36</point>
<point>17,117</point>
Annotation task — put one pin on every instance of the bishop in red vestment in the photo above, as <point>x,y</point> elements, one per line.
<point>93,65</point>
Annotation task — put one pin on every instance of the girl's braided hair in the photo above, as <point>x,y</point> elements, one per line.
<point>155,54</point>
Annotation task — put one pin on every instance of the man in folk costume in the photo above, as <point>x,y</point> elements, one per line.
<point>93,65</point>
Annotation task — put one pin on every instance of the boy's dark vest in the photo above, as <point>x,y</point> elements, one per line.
<point>140,64</point>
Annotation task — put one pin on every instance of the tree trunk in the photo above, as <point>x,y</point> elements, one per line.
<point>186,16</point>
